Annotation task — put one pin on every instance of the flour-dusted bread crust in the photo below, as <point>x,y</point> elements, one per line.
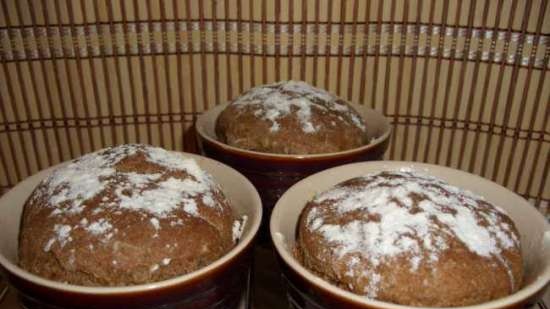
<point>410,239</point>
<point>126,215</point>
<point>291,118</point>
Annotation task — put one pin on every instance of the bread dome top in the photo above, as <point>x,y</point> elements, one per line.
<point>275,101</point>
<point>386,224</point>
<point>291,117</point>
<point>136,178</point>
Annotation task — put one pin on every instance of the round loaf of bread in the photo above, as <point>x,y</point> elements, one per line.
<point>126,215</point>
<point>410,239</point>
<point>291,118</point>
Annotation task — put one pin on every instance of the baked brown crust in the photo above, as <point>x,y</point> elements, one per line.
<point>126,215</point>
<point>291,118</point>
<point>410,239</point>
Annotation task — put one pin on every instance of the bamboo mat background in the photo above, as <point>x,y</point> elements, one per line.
<point>465,83</point>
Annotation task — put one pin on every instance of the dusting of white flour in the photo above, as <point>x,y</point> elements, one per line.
<point>61,235</point>
<point>155,194</point>
<point>238,228</point>
<point>421,233</point>
<point>275,101</point>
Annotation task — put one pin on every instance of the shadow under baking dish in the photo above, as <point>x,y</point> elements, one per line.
<point>306,290</point>
<point>222,284</point>
<point>272,174</point>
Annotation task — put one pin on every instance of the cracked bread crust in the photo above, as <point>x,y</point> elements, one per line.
<point>147,219</point>
<point>380,248</point>
<point>291,118</point>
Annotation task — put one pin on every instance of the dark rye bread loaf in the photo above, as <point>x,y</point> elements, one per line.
<point>410,239</point>
<point>126,215</point>
<point>291,118</point>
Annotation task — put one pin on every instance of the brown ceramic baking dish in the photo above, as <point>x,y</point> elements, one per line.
<point>306,290</point>
<point>222,284</point>
<point>273,174</point>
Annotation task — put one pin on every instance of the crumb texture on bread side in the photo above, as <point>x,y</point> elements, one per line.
<point>411,239</point>
<point>125,215</point>
<point>291,117</point>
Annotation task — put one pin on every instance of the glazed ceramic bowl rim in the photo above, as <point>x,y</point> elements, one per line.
<point>373,143</point>
<point>243,244</point>
<point>304,273</point>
